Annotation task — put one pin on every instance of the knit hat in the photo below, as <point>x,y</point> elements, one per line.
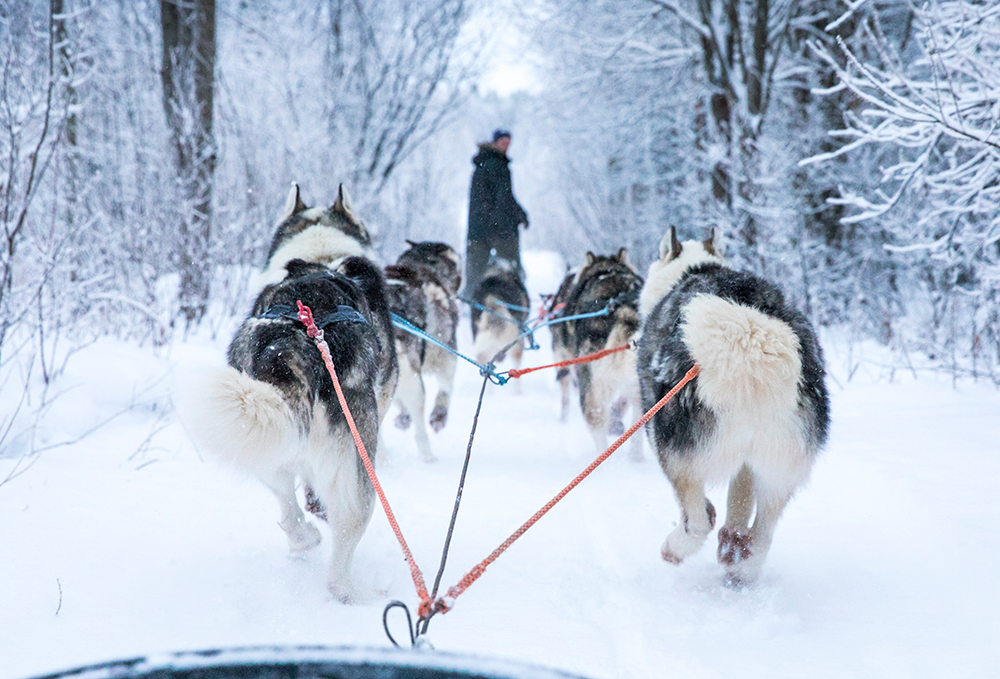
<point>500,134</point>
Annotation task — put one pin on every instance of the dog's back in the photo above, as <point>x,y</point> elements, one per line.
<point>605,282</point>
<point>759,360</point>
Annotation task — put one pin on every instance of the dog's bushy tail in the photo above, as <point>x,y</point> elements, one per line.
<point>238,419</point>
<point>749,361</point>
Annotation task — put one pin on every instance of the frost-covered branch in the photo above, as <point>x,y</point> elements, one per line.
<point>946,104</point>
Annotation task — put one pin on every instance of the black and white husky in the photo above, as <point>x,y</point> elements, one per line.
<point>608,386</point>
<point>422,288</point>
<point>756,415</point>
<point>273,412</point>
<point>500,309</point>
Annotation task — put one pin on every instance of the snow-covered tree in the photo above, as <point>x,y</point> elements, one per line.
<point>932,117</point>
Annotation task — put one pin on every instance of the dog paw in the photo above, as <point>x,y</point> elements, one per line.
<point>681,544</point>
<point>439,418</point>
<point>669,556</point>
<point>403,421</point>
<point>303,537</point>
<point>737,581</point>
<point>689,536</point>
<point>734,547</point>
<point>345,594</point>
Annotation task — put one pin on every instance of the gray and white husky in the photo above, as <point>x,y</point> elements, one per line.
<point>757,414</point>
<point>422,288</point>
<point>273,412</point>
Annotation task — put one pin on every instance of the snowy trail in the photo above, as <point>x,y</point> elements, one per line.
<point>883,566</point>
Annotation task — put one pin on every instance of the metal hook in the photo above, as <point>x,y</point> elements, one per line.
<point>409,623</point>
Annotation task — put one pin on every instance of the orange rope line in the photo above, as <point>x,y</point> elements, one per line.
<point>305,315</point>
<point>517,372</point>
<point>480,568</point>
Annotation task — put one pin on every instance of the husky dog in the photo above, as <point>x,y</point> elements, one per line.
<point>499,311</point>
<point>555,307</point>
<point>756,415</point>
<point>605,282</point>
<point>422,286</point>
<point>274,414</point>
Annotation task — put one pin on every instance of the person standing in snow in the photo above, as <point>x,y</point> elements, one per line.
<point>494,213</point>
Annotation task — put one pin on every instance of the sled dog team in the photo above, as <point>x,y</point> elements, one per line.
<point>755,417</point>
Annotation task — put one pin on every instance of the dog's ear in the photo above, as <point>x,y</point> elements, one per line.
<point>411,243</point>
<point>343,202</point>
<point>293,204</point>
<point>590,258</point>
<point>622,256</point>
<point>709,243</point>
<point>670,247</point>
<point>342,206</point>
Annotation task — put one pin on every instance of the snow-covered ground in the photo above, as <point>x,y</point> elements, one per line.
<point>128,542</point>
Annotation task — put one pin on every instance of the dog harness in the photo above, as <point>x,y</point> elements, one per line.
<point>343,313</point>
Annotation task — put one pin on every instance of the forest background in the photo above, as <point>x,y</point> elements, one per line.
<point>846,150</point>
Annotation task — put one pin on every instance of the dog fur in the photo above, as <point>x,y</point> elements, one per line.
<point>422,288</point>
<point>556,308</point>
<point>500,289</point>
<point>273,412</point>
<point>609,387</point>
<point>757,414</point>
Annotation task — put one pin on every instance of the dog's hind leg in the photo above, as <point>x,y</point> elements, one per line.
<point>563,377</point>
<point>593,402</point>
<point>734,538</point>
<point>302,535</point>
<point>349,501</point>
<point>616,427</point>
<point>446,382</point>
<point>516,355</point>
<point>697,518</point>
<point>635,445</point>
<point>758,540</point>
<point>410,393</point>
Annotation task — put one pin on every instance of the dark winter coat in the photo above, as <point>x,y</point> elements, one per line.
<point>494,214</point>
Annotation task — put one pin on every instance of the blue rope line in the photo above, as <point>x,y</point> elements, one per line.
<point>563,319</point>
<point>512,307</point>
<point>526,330</point>
<point>488,370</point>
<point>543,324</point>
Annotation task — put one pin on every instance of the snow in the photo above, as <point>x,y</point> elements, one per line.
<point>128,542</point>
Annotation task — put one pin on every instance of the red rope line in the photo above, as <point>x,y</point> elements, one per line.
<point>480,568</point>
<point>305,315</point>
<point>544,314</point>
<point>427,607</point>
<point>517,372</point>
